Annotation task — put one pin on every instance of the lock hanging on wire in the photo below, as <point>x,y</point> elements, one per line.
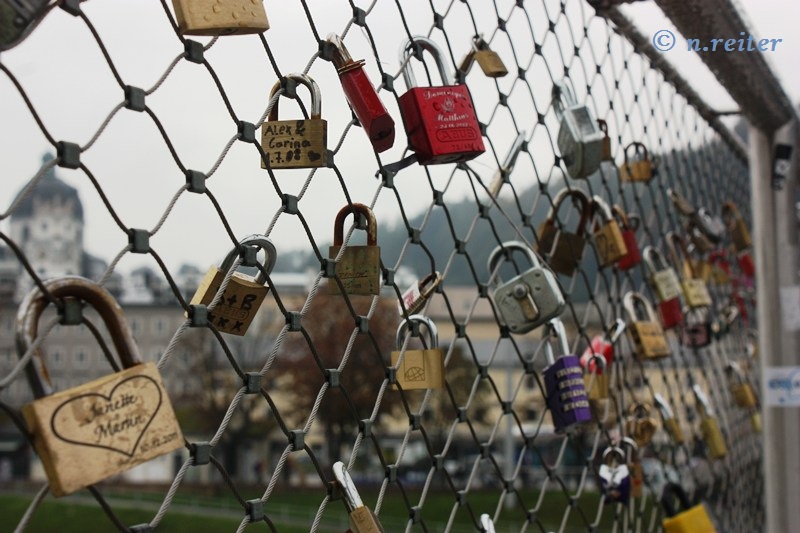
<point>562,249</point>
<point>215,17</point>
<point>420,369</point>
<point>359,268</point>
<point>580,140</point>
<point>362,519</point>
<point>565,393</point>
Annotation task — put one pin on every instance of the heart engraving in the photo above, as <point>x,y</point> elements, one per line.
<point>115,422</point>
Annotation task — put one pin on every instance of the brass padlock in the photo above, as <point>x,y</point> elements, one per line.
<point>564,250</point>
<point>236,308</point>
<point>709,427</point>
<point>604,411</point>
<point>699,268</point>
<point>640,425</point>
<point>638,166</point>
<point>295,143</point>
<point>418,293</point>
<point>597,378</point>
<point>606,151</point>
<point>362,519</point>
<point>490,63</point>
<point>220,17</point>
<point>634,466</point>
<point>359,268</point>
<point>694,288</point>
<point>646,334</point>
<point>671,424</point>
<point>607,235</point>
<point>109,425</point>
<point>742,391</point>
<point>420,369</point>
<point>736,226</point>
<point>662,276</point>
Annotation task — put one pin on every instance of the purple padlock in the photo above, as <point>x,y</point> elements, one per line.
<point>563,381</point>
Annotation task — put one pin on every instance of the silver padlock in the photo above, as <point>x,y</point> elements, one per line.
<point>711,226</point>
<point>579,138</point>
<point>530,299</point>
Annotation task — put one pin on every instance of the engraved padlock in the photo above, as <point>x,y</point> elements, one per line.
<point>563,250</point>
<point>490,63</point>
<point>629,224</point>
<point>686,518</point>
<point>414,298</point>
<point>243,296</point>
<point>633,458</point>
<point>419,369</point>
<point>106,426</point>
<point>596,361</point>
<point>362,97</point>
<point>529,299</point>
<point>607,234</point>
<point>741,390</point>
<point>362,519</point>
<point>295,143</point>
<point>667,287</point>
<point>614,475</point>
<point>736,226</point>
<point>580,140</point>
<point>440,121</point>
<point>19,18</point>
<point>696,330</point>
<point>359,268</point>
<point>220,17</point>
<point>565,394</point>
<point>671,423</point>
<point>606,152</point>
<point>640,425</point>
<point>709,427</point>
<point>637,165</point>
<point>646,333</point>
<point>695,291</point>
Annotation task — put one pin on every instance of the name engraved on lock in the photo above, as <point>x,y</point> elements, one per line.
<point>667,284</point>
<point>237,307</point>
<point>295,143</point>
<point>358,269</point>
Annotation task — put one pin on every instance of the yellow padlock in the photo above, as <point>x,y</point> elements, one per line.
<point>671,424</point>
<point>420,369</point>
<point>694,287</point>
<point>607,234</point>
<point>689,519</point>
<point>638,166</point>
<point>646,333</point>
<point>220,17</point>
<point>709,427</point>
<point>742,391</point>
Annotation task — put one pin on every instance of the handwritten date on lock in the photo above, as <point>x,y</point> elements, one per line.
<point>106,426</point>
<point>294,143</point>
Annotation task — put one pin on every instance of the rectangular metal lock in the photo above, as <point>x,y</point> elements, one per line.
<point>237,307</point>
<point>220,17</point>
<point>421,369</point>
<point>597,388</point>
<point>696,293</point>
<point>696,334</point>
<point>362,520</point>
<point>566,395</point>
<point>606,151</point>
<point>743,395</point>
<point>741,235</point>
<point>713,437</point>
<point>490,63</point>
<point>667,285</point>
<point>359,268</point>
<point>604,411</point>
<point>610,243</point>
<point>579,140</point>
<point>698,268</point>
<point>566,253</point>
<point>692,520</point>
<point>638,166</point>
<point>649,340</point>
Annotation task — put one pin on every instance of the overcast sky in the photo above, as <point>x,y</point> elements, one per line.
<point>69,83</point>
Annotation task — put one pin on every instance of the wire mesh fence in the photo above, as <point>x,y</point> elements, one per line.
<point>312,380</point>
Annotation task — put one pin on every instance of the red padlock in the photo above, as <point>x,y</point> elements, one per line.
<point>361,96</point>
<point>603,345</point>
<point>667,287</point>
<point>440,121</point>
<point>746,265</point>
<point>628,224</point>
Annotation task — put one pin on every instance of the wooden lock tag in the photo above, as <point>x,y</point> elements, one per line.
<point>736,226</point>
<point>295,143</point>
<point>419,369</point>
<point>220,17</point>
<point>647,335</point>
<point>608,237</point>
<point>637,167</point>
<point>243,296</point>
<point>359,268</point>
<point>564,250</point>
<point>107,426</point>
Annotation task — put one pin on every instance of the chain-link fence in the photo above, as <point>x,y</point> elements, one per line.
<point>311,381</point>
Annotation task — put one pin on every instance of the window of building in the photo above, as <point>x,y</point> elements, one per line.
<point>81,357</point>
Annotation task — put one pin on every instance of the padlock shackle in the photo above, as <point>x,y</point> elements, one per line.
<point>352,500</point>
<point>630,300</point>
<point>582,199</point>
<point>703,400</point>
<point>654,259</point>
<point>259,241</point>
<point>433,332</point>
<point>555,327</point>
<point>627,441</point>
<point>610,452</point>
<point>341,57</point>
<point>704,222</point>
<point>680,252</point>
<point>35,302</point>
<point>638,148</point>
<point>486,523</point>
<point>625,220</point>
<point>681,203</point>
<point>504,250</point>
<point>603,126</point>
<point>426,44</point>
<point>600,364</point>
<point>355,209</point>
<point>675,490</point>
<point>598,204</point>
<point>313,88</point>
<point>615,330</point>
<point>563,98</point>
<point>663,406</point>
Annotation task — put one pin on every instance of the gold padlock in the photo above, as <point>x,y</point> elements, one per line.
<point>606,152</point>
<point>646,334</point>
<point>694,288</point>
<point>755,420</point>
<point>742,391</point>
<point>709,427</point>
<point>220,17</point>
<point>362,519</point>
<point>607,235</point>
<point>236,308</point>
<point>690,519</point>
<point>107,426</point>
<point>564,250</point>
<point>662,276</point>
<point>634,467</point>
<point>597,382</point>
<point>671,424</point>
<point>637,167</point>
<point>604,410</point>
<point>701,268</point>
<point>359,269</point>
<point>490,63</point>
<point>737,227</point>
<point>420,369</point>
<point>639,425</point>
<point>295,143</point>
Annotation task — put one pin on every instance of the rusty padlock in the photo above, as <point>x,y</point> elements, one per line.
<point>564,250</point>
<point>667,287</point>
<point>109,425</point>
<point>696,330</point>
<point>295,143</point>
<point>359,268</point>
<point>645,332</point>
<point>579,140</point>
<point>607,234</point>
<point>490,63</point>
<point>420,369</point>
<point>440,121</point>
<point>220,17</point>
<point>736,226</point>
<point>637,165</point>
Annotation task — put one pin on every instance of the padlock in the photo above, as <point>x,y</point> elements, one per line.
<point>637,165</point>
<point>667,287</point>
<point>671,423</point>
<point>681,203</point>
<point>236,308</point>
<point>607,234</point>
<point>18,19</point>
<point>751,344</point>
<point>695,291</point>
<point>604,411</point>
<point>504,172</point>
<point>564,250</point>
<point>529,299</point>
<point>614,475</point>
<point>699,240</point>
<point>490,63</point>
<point>596,361</point>
<point>606,151</point>
<point>220,17</point>
<point>701,268</point>
<point>362,519</point>
<point>709,225</point>
<point>362,97</point>
<point>628,225</point>
<point>440,121</point>
<point>295,143</point>
<point>487,526</point>
<point>565,393</point>
<point>418,293</point>
<point>709,427</point>
<point>741,390</point>
<point>420,369</point>
<point>106,426</point>
<point>580,140</point>
<point>634,462</point>
<point>646,334</point>
<point>640,425</point>
<point>696,329</point>
<point>727,315</point>
<point>736,226</point>
<point>755,420</point>
<point>720,267</point>
<point>359,268</point>
<point>689,519</point>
